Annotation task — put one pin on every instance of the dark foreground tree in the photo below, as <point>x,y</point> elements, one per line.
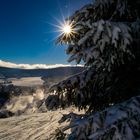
<point>105,37</point>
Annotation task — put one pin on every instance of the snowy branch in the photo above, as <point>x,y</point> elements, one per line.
<point>121,121</point>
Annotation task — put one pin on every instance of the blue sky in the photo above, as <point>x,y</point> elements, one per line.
<point>26,35</point>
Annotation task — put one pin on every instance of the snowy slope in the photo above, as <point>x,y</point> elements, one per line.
<point>30,127</point>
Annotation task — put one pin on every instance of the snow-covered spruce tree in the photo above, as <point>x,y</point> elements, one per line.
<point>106,38</point>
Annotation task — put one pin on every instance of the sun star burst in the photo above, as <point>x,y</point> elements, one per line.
<point>67,29</point>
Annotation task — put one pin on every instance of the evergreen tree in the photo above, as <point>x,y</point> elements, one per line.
<point>106,38</point>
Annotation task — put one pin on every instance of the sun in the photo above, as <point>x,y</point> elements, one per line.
<point>67,29</point>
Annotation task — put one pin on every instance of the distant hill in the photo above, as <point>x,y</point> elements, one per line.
<point>52,72</point>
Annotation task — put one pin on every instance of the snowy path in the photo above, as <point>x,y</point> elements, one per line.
<point>30,127</point>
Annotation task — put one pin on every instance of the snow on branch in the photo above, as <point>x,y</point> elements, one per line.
<point>121,10</point>
<point>105,42</point>
<point>71,91</point>
<point>121,121</point>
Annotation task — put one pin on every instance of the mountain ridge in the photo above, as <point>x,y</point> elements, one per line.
<point>53,72</point>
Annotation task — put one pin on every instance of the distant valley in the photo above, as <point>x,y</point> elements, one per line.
<point>50,73</point>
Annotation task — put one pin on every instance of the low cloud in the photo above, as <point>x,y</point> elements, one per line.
<point>33,66</point>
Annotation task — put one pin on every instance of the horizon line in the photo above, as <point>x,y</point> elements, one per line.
<point>8,64</point>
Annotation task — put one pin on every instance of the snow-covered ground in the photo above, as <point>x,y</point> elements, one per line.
<point>30,127</point>
<point>37,126</point>
<point>32,124</point>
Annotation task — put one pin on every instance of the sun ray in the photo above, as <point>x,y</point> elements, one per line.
<point>62,15</point>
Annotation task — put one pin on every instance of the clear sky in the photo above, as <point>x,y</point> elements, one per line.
<point>26,33</point>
